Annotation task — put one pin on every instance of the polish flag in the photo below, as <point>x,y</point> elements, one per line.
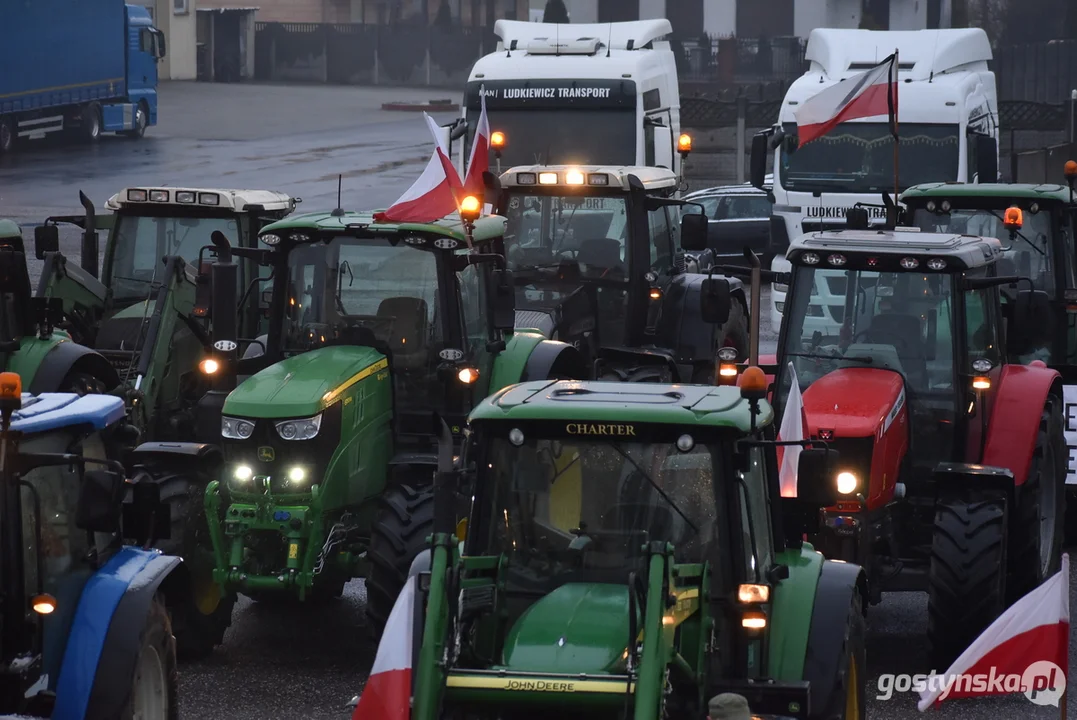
<point>479,162</point>
<point>387,695</point>
<point>867,94</point>
<point>434,195</point>
<point>794,427</point>
<point>1030,641</point>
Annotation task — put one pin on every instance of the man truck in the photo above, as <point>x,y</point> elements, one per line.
<point>83,68</point>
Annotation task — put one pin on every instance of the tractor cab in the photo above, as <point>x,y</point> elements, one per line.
<point>921,306</point>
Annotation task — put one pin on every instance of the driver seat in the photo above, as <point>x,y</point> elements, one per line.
<point>885,327</point>
<point>410,330</point>
<point>603,253</point>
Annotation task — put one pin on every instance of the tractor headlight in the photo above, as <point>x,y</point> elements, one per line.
<point>847,483</point>
<point>303,429</point>
<point>236,428</point>
<point>298,475</point>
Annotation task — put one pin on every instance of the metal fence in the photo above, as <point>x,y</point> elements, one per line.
<point>1044,165</point>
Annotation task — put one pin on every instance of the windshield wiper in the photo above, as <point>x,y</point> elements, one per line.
<point>661,492</point>
<point>855,358</point>
<point>1019,234</point>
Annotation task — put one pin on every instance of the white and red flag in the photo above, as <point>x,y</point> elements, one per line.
<point>434,195</point>
<point>479,162</point>
<point>387,695</point>
<point>793,428</point>
<point>1026,650</point>
<point>868,94</point>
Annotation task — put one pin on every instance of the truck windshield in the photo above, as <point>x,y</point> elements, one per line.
<point>576,510</point>
<point>857,157</point>
<point>140,242</point>
<point>570,136</point>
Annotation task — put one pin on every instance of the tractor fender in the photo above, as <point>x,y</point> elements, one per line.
<point>830,614</point>
<point>530,356</point>
<point>682,327</point>
<point>99,662</point>
<point>1015,417</point>
<point>63,358</point>
<point>791,610</point>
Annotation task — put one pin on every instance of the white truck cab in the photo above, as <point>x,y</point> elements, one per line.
<point>947,127</point>
<point>587,94</point>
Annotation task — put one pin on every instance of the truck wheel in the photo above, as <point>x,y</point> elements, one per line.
<point>7,135</point>
<point>200,615</point>
<point>849,697</point>
<point>142,119</point>
<point>966,587</point>
<point>1036,541</point>
<point>399,535</point>
<point>90,127</point>
<point>153,688</point>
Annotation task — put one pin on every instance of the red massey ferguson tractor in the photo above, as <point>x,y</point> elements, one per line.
<point>952,462</point>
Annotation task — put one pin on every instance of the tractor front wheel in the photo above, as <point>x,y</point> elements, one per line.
<point>849,697</point>
<point>399,535</point>
<point>1036,542</point>
<point>966,580</point>
<point>153,687</point>
<point>200,612</point>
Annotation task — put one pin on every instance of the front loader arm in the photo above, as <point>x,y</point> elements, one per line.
<point>84,296</point>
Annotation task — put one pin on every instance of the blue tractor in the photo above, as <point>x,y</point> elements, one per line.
<point>84,633</point>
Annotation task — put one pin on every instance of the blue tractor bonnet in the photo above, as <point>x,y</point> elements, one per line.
<point>52,411</point>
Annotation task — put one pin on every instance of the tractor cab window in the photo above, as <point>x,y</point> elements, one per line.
<point>141,242</point>
<point>568,255</point>
<point>579,511</point>
<point>756,514</point>
<point>982,326</point>
<point>368,292</point>
<point>661,244</point>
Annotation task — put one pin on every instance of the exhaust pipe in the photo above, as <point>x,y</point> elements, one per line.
<point>753,316</point>
<point>89,237</point>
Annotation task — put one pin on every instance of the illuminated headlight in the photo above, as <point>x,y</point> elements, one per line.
<point>242,473</point>
<point>236,428</point>
<point>298,475</point>
<point>574,177</point>
<point>271,239</point>
<point>209,199</point>
<point>136,196</point>
<point>185,196</point>
<point>303,429</point>
<point>158,196</point>
<point>847,483</point>
<point>547,178</point>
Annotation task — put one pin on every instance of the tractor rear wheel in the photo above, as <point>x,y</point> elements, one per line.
<point>849,697</point>
<point>399,535</point>
<point>153,687</point>
<point>200,613</point>
<point>1036,541</point>
<point>82,383</point>
<point>966,584</point>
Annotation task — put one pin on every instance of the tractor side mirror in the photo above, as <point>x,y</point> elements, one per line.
<point>46,240</point>
<point>100,497</point>
<point>1031,320</point>
<point>986,159</point>
<point>503,301</point>
<point>816,483</point>
<point>715,301</point>
<point>694,229</point>
<point>758,162</point>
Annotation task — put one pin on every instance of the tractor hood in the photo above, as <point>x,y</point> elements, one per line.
<point>854,402</point>
<point>578,628</point>
<point>535,321</point>
<point>303,385</point>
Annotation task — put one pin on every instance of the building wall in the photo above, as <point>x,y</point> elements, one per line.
<point>181,60</point>
<point>908,14</point>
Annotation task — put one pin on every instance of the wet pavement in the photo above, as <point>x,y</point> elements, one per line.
<point>283,663</point>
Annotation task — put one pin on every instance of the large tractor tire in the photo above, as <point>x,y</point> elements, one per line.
<point>153,687</point>
<point>82,383</point>
<point>400,531</point>
<point>1035,550</point>
<point>966,580</point>
<point>848,699</point>
<point>200,614</point>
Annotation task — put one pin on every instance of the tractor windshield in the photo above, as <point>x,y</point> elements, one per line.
<point>568,254</point>
<point>578,510</point>
<point>140,242</point>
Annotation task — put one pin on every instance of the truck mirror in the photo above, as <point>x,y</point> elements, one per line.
<point>160,44</point>
<point>715,301</point>
<point>503,301</point>
<point>46,240</point>
<point>100,497</point>
<point>663,147</point>
<point>758,169</point>
<point>694,228</point>
<point>986,159</point>
<point>816,477</point>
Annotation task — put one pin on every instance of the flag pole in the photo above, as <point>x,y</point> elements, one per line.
<point>897,141</point>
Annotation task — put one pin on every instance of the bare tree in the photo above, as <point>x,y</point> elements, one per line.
<point>555,12</point>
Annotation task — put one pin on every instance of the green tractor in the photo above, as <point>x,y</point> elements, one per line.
<point>627,548</point>
<point>327,439</point>
<point>146,317</point>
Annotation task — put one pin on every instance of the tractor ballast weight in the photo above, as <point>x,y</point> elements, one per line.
<point>329,451</point>
<point>592,562</point>
<point>600,257</point>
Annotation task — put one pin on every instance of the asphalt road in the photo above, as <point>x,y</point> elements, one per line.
<point>279,662</point>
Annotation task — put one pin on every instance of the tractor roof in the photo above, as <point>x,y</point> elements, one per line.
<point>9,229</point>
<point>989,191</point>
<point>885,249</point>
<point>235,200</point>
<point>625,403</point>
<point>487,228</point>
<point>616,176</point>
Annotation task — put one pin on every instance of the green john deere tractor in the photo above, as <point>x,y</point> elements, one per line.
<point>328,440</point>
<point>146,317</point>
<point>627,548</point>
